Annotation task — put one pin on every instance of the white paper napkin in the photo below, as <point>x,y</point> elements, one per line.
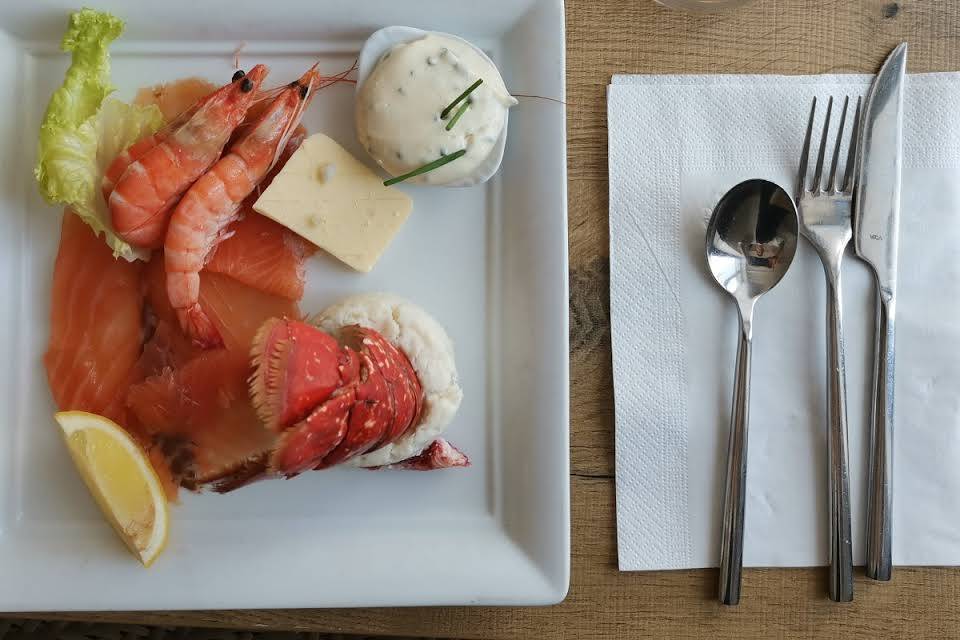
<point>676,144</point>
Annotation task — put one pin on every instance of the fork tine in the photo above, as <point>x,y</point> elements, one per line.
<point>853,155</point>
<point>832,180</point>
<point>817,186</point>
<point>805,153</point>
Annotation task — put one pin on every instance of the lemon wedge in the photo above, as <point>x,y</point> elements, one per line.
<point>119,475</point>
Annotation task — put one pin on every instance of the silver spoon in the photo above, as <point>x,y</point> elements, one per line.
<point>751,239</point>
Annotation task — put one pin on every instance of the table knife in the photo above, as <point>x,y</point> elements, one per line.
<point>876,217</point>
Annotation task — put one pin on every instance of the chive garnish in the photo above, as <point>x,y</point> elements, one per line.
<point>450,107</point>
<point>436,164</point>
<point>457,115</point>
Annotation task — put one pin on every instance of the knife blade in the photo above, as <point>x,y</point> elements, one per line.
<point>878,187</point>
<point>876,229</point>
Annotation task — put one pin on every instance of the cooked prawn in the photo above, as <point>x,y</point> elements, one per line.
<point>177,101</point>
<point>137,150</point>
<point>146,192</point>
<point>204,213</point>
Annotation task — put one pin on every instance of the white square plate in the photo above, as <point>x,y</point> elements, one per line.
<point>490,262</point>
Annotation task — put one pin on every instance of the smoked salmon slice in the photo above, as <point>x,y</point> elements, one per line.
<point>236,309</point>
<point>263,254</point>
<point>96,333</point>
<point>96,326</point>
<point>194,402</point>
<point>201,417</point>
<point>173,98</point>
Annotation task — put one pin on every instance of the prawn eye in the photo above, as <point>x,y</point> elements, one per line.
<point>237,75</point>
<point>247,85</point>
<point>303,91</point>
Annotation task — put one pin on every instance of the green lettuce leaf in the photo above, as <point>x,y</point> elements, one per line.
<point>82,132</point>
<point>97,142</point>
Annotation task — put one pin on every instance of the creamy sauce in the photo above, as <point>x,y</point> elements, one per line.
<point>398,108</point>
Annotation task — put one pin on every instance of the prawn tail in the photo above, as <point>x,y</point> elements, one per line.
<point>199,327</point>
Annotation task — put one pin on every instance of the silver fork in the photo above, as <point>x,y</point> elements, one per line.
<point>825,220</point>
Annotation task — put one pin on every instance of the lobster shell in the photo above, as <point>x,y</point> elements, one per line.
<point>330,401</point>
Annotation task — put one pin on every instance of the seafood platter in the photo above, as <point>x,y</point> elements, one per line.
<point>291,320</point>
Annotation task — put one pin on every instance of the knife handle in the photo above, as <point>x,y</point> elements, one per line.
<point>879,564</point>
<point>841,551</point>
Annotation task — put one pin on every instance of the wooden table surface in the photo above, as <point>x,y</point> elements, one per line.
<point>636,36</point>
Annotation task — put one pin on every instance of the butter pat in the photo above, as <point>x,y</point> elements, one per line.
<point>333,200</point>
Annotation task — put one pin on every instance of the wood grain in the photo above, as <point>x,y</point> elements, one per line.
<point>636,36</point>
